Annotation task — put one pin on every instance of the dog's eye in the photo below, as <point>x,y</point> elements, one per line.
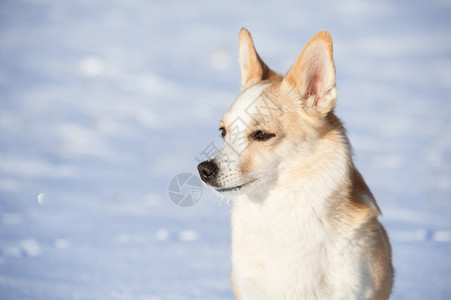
<point>223,132</point>
<point>262,136</point>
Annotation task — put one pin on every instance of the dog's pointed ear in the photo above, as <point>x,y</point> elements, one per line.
<point>313,75</point>
<point>252,67</point>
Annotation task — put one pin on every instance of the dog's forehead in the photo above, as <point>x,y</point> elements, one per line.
<point>244,106</point>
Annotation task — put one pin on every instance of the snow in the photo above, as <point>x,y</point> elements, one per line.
<point>104,102</point>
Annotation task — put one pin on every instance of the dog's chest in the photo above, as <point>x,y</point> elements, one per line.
<point>285,251</point>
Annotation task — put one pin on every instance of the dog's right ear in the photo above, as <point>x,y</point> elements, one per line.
<point>252,67</point>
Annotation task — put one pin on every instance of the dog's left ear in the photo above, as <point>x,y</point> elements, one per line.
<point>252,68</point>
<point>313,75</point>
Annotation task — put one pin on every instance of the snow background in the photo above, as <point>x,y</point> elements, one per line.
<point>102,103</point>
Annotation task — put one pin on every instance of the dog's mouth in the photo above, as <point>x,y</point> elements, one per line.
<point>233,188</point>
<point>230,189</point>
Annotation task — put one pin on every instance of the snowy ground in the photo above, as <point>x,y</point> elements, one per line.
<point>102,103</point>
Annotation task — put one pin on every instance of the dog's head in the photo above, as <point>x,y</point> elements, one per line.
<point>279,127</point>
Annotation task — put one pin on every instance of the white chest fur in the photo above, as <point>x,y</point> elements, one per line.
<point>284,248</point>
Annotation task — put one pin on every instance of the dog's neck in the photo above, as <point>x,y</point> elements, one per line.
<point>334,183</point>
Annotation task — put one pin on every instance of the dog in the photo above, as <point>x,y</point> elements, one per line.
<point>304,222</point>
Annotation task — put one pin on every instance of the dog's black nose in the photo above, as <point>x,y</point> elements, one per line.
<point>207,169</point>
